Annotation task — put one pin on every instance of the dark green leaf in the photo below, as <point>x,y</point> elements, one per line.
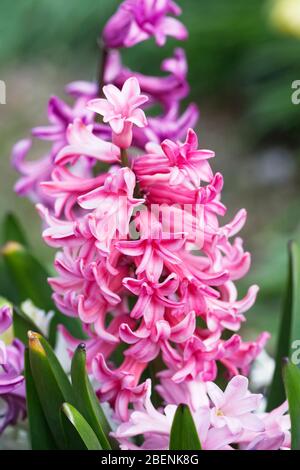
<point>78,433</point>
<point>290,326</point>
<point>30,279</point>
<point>29,276</point>
<point>13,231</point>
<point>184,434</point>
<point>86,400</point>
<point>291,375</point>
<point>39,431</point>
<point>57,370</point>
<point>49,391</point>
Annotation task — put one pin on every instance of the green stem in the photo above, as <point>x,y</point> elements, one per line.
<point>124,158</point>
<point>102,65</point>
<point>101,74</point>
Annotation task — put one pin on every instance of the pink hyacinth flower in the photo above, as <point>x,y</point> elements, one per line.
<point>82,141</point>
<point>137,20</point>
<point>234,407</point>
<point>121,110</point>
<point>11,379</point>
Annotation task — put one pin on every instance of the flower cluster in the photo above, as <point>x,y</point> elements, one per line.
<point>224,420</point>
<point>12,391</point>
<point>134,208</point>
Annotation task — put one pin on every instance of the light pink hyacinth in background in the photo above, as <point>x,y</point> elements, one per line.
<point>144,260</point>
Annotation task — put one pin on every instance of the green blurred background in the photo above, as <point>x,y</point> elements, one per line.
<point>243,57</point>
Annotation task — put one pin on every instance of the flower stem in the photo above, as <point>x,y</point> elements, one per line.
<point>124,158</point>
<point>101,74</point>
<point>102,66</point>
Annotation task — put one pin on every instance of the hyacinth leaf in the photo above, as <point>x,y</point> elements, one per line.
<point>184,434</point>
<point>28,274</point>
<point>22,324</point>
<point>78,433</point>
<point>13,231</point>
<point>30,279</point>
<point>290,326</point>
<point>41,437</point>
<point>57,370</point>
<point>86,400</point>
<point>291,375</point>
<point>49,390</point>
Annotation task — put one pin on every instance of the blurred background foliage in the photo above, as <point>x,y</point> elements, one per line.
<point>243,57</point>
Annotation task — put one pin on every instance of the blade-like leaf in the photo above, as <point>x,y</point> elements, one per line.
<point>13,231</point>
<point>291,375</point>
<point>40,435</point>
<point>57,370</point>
<point>86,400</point>
<point>49,391</point>
<point>30,278</point>
<point>289,327</point>
<point>78,433</point>
<point>184,434</point>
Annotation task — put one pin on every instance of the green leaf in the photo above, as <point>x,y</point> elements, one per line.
<point>39,431</point>
<point>184,434</point>
<point>289,327</point>
<point>57,370</point>
<point>49,390</point>
<point>31,281</point>
<point>291,375</point>
<point>78,433</point>
<point>86,400</point>
<point>29,275</point>
<point>22,324</point>
<point>13,231</point>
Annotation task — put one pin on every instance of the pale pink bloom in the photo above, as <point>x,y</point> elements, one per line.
<point>137,20</point>
<point>277,425</point>
<point>192,393</point>
<point>121,109</point>
<point>147,421</point>
<point>82,141</point>
<point>227,434</point>
<point>234,407</point>
<point>264,442</point>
